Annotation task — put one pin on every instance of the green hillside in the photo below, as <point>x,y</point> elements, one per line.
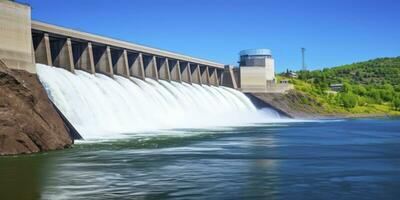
<point>373,72</point>
<point>370,87</point>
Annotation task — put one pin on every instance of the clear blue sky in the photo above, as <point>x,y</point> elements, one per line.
<point>333,32</point>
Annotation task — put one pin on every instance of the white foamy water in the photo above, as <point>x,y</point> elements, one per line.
<point>102,107</point>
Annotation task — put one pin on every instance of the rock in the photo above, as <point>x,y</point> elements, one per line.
<point>294,104</point>
<point>28,120</point>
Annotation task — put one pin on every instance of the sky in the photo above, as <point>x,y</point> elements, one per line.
<point>334,32</point>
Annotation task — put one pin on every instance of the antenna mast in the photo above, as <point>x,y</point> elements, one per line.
<point>303,50</point>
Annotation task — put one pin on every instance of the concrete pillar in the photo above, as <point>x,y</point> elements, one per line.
<point>167,71</point>
<point>205,75</point>
<point>136,67</point>
<point>70,55</point>
<point>62,56</point>
<point>109,67</point>
<point>211,75</point>
<point>163,69</point>
<point>125,70</point>
<point>228,79</point>
<point>175,71</point>
<point>151,68</point>
<point>48,50</point>
<point>208,75</point>
<point>196,76</point>
<point>236,73</point>
<point>102,60</point>
<point>220,75</point>
<point>186,72</point>
<point>120,62</point>
<point>91,58</point>
<point>42,49</point>
<point>214,77</point>
<point>83,56</point>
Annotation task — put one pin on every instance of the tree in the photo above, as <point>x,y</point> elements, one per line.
<point>396,103</point>
<point>360,90</point>
<point>397,88</point>
<point>388,87</point>
<point>349,100</point>
<point>346,88</point>
<point>386,94</point>
<point>375,95</point>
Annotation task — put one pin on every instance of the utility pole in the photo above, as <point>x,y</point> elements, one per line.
<point>303,51</point>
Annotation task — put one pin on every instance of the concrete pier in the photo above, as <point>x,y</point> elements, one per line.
<point>163,69</point>
<point>61,53</point>
<point>102,60</point>
<point>195,73</point>
<point>213,76</point>
<point>150,66</point>
<point>41,46</point>
<point>205,75</point>
<point>136,67</point>
<point>175,70</point>
<point>186,72</point>
<point>228,77</point>
<point>83,56</point>
<point>120,62</point>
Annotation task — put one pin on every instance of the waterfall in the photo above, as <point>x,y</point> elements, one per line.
<point>102,107</point>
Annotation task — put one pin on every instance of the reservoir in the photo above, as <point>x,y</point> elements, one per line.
<point>147,123</point>
<point>341,159</point>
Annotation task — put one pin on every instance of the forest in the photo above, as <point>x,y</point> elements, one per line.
<point>367,87</point>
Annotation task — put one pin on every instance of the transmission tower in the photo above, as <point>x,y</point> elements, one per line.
<point>303,51</point>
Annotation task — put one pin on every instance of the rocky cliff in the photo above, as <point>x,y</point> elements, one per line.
<point>294,104</point>
<point>28,120</point>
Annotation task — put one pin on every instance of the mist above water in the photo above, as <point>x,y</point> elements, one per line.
<point>102,107</point>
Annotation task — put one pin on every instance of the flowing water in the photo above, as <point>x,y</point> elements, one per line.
<point>166,140</point>
<point>100,107</point>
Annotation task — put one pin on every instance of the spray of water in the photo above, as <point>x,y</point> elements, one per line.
<point>102,107</point>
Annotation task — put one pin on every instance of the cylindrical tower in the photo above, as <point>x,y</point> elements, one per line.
<point>257,69</point>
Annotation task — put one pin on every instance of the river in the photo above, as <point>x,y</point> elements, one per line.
<point>336,159</point>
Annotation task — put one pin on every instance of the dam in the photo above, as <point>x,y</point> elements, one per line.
<point>107,87</point>
<point>25,42</point>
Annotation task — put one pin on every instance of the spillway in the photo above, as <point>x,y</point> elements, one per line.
<point>102,107</point>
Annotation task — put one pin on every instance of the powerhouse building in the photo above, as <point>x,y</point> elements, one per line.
<point>257,69</point>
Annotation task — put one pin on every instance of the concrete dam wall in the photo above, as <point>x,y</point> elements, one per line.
<point>25,42</point>
<point>70,49</point>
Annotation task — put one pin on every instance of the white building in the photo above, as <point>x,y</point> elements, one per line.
<point>257,69</point>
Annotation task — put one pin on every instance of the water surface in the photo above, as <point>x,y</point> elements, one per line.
<point>345,159</point>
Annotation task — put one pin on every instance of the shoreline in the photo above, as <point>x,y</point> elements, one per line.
<point>349,116</point>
